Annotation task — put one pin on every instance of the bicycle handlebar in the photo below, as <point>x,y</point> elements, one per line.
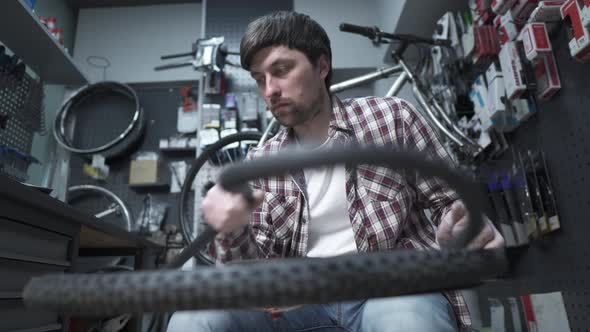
<point>376,35</point>
<point>369,32</point>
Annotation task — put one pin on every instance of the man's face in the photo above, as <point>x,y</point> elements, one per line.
<point>292,87</point>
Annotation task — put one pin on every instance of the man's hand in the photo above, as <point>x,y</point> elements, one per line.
<point>456,220</point>
<point>226,211</point>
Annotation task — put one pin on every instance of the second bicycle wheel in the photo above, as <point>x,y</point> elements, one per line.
<point>203,171</point>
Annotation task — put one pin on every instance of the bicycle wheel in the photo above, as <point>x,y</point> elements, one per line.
<point>204,170</point>
<point>102,203</point>
<point>287,281</point>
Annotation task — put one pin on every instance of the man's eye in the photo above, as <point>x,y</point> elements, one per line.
<point>281,71</point>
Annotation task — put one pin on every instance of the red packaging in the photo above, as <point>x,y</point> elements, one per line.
<point>547,11</point>
<point>501,7</point>
<point>585,13</point>
<point>485,11</point>
<point>535,40</point>
<point>54,33</point>
<point>507,29</point>
<point>522,9</point>
<point>487,43</point>
<point>59,35</point>
<point>547,76</point>
<point>51,22</point>
<point>579,44</point>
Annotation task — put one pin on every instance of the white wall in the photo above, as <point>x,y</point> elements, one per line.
<point>348,50</point>
<point>134,38</point>
<point>354,51</point>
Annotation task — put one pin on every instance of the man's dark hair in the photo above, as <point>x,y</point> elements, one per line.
<point>283,28</point>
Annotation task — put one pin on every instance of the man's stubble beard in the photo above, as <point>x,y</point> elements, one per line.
<point>302,115</point>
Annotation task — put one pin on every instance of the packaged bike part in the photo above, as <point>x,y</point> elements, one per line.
<point>548,312</point>
<point>479,97</point>
<point>512,70</point>
<point>501,7</point>
<point>468,40</point>
<point>547,11</point>
<point>248,106</point>
<point>537,198</point>
<point>211,115</point>
<point>507,29</point>
<point>535,41</point>
<point>517,313</point>
<point>151,215</point>
<point>499,207</point>
<point>524,197</point>
<point>98,170</point>
<point>144,169</point>
<point>520,228</point>
<point>585,13</point>
<point>497,315</point>
<point>523,108</point>
<point>178,174</point>
<point>579,34</point>
<point>485,11</point>
<point>187,121</point>
<point>546,189</point>
<point>498,105</point>
<point>546,72</point>
<point>522,9</point>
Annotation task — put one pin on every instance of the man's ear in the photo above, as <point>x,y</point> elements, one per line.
<point>324,66</point>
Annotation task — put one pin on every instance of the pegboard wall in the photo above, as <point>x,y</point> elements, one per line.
<point>560,261</point>
<point>21,101</point>
<point>232,27</point>
<point>160,105</point>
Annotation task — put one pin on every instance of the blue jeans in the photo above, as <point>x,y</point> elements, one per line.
<point>428,312</point>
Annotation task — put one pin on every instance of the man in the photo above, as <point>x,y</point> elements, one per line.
<point>332,210</point>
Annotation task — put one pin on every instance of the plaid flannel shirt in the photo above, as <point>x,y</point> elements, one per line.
<point>384,206</point>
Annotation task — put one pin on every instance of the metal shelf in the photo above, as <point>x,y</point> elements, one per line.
<point>21,31</point>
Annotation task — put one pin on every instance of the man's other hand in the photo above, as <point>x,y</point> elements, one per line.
<point>456,220</point>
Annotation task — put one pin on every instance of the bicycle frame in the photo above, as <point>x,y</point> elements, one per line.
<point>428,103</point>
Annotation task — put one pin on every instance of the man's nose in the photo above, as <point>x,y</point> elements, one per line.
<point>271,88</point>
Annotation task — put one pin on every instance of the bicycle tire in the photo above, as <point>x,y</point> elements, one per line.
<point>117,146</point>
<point>268,283</point>
<point>288,281</point>
<point>192,174</point>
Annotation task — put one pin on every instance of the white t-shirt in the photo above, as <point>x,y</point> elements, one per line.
<point>330,230</point>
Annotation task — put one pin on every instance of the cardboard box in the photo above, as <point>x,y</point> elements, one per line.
<point>547,75</point>
<point>487,43</point>
<point>486,15</point>
<point>496,92</point>
<point>522,9</point>
<point>585,14</point>
<point>579,44</point>
<point>479,97</point>
<point>500,7</point>
<point>547,11</point>
<point>522,109</point>
<point>535,40</point>
<point>143,172</point>
<point>512,70</point>
<point>507,28</point>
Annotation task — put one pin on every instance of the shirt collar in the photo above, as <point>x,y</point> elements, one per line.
<point>339,120</point>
